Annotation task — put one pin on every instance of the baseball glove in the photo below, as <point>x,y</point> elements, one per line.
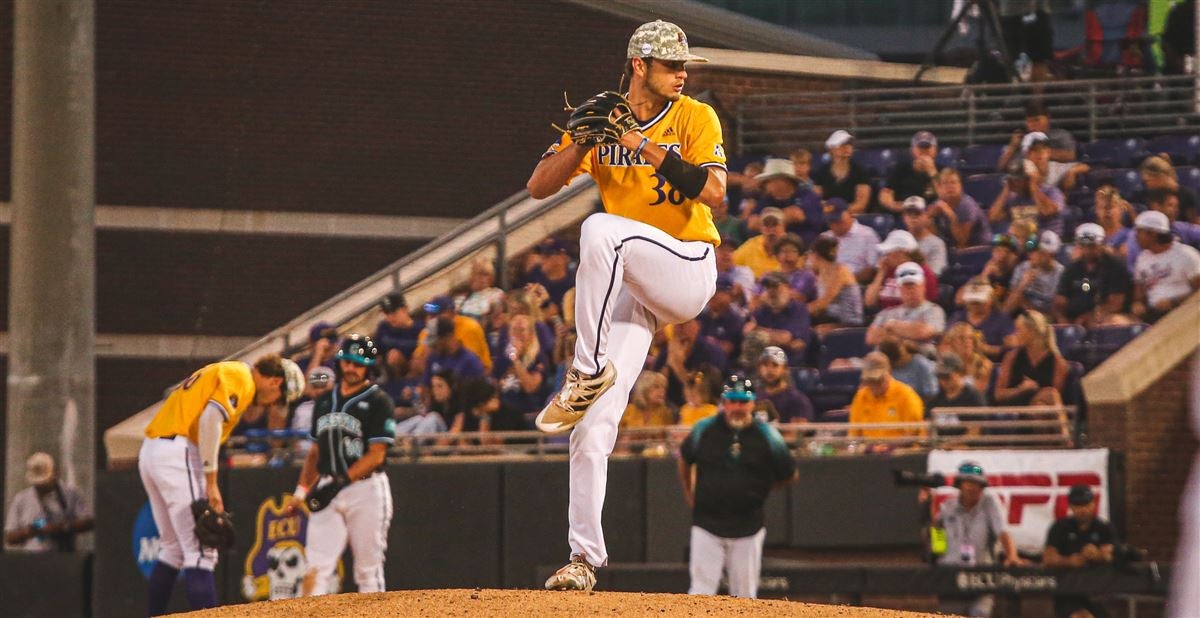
<point>213,528</point>
<point>323,495</point>
<point>602,119</point>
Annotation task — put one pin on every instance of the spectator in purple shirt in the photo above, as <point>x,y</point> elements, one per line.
<point>521,369</point>
<point>686,351</point>
<point>1027,197</point>
<point>553,273</point>
<point>784,320</point>
<point>721,320</point>
<point>448,354</point>
<point>396,334</point>
<point>803,213</point>
<point>790,255</point>
<point>775,385</point>
<point>958,218</point>
<point>981,313</point>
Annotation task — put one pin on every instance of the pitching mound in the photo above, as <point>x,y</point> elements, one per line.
<point>536,602</point>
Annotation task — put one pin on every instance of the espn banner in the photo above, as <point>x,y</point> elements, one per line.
<point>1031,485</point>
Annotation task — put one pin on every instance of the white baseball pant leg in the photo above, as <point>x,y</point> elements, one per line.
<point>743,564</point>
<point>173,477</point>
<point>324,543</point>
<point>740,559</point>
<point>632,279</point>
<point>367,506</point>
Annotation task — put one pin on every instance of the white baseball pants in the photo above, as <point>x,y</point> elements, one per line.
<point>360,513</point>
<point>740,559</point>
<point>174,478</point>
<point>632,279</point>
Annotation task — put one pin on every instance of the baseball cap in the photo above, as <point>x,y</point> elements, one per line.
<point>773,354</point>
<point>772,212</point>
<point>778,168</point>
<point>551,246</point>
<point>1080,495</point>
<point>837,138</point>
<point>392,302</point>
<point>948,364</point>
<point>914,203</point>
<point>875,366</point>
<point>1049,242</point>
<point>979,292</point>
<point>898,240</point>
<point>835,206</point>
<point>1089,234</point>
<point>1030,139</point>
<point>1154,221</point>
<point>39,468</point>
<point>910,272</point>
<point>738,388</point>
<point>322,330</point>
<point>439,304</point>
<point>924,139</point>
<point>663,40</point>
<point>970,471</point>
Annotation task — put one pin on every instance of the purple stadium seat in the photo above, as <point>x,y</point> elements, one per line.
<point>966,263</point>
<point>1113,152</point>
<point>1104,341</point>
<point>980,158</point>
<point>848,342</point>
<point>1069,338</point>
<point>948,156</point>
<point>1189,177</point>
<point>1183,149</point>
<point>984,188</point>
<point>878,160</point>
<point>1128,181</point>
<point>881,222</point>
<point>805,378</point>
<point>835,390</point>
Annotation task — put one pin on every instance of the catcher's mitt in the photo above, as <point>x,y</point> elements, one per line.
<point>323,495</point>
<point>602,119</point>
<point>213,528</point>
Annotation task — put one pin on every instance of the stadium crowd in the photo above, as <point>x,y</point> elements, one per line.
<point>850,286</point>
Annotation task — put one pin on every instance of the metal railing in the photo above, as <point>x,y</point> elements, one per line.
<point>1011,427</point>
<point>966,114</point>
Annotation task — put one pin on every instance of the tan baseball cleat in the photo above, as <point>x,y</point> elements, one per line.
<point>578,394</point>
<point>576,575</point>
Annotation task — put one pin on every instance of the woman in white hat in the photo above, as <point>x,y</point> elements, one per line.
<point>843,177</point>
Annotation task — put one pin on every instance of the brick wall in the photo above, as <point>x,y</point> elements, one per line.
<point>1152,431</point>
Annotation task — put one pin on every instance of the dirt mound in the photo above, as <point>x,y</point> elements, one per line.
<point>536,602</point>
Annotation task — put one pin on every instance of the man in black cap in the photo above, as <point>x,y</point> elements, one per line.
<point>397,334</point>
<point>1081,539</point>
<point>913,175</point>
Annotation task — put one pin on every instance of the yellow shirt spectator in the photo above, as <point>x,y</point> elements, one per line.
<point>654,416</point>
<point>899,404</point>
<point>753,254</point>
<point>470,333</point>
<point>689,414</point>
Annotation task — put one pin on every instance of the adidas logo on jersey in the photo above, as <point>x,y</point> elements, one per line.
<point>669,132</point>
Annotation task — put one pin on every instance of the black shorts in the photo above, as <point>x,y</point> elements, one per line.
<point>1036,38</point>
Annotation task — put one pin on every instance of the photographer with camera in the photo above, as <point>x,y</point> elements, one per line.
<point>1079,540</point>
<point>967,529</point>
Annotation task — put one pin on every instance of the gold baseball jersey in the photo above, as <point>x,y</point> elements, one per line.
<point>227,383</point>
<point>634,189</point>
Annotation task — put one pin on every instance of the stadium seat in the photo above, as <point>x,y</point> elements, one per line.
<point>1069,338</point>
<point>1128,181</point>
<point>881,222</point>
<point>1103,341</point>
<point>948,156</point>
<point>844,343</point>
<point>879,161</point>
<point>1113,152</point>
<point>835,390</point>
<point>1183,149</point>
<point>984,188</point>
<point>805,378</point>
<point>964,264</point>
<point>980,158</point>
<point>1072,216</point>
<point>1189,177</point>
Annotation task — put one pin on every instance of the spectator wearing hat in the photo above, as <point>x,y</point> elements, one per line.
<point>1035,147</point>
<point>1079,540</point>
<point>912,176</point>
<point>728,465</point>
<point>721,321</point>
<point>1166,272</point>
<point>957,216</point>
<point>775,385</point>
<point>1000,267</point>
<point>1095,287</point>
<point>899,247</point>
<point>920,224</point>
<point>685,353</point>
<point>484,297</point>
<point>1027,197</point>
<point>953,391</point>
<point>449,354</point>
<point>856,242</point>
<point>782,318</point>
<point>802,211</point>
<point>1165,201</point>
<point>1158,174</point>
<point>980,313</point>
<point>973,522</point>
<point>1035,281</point>
<point>790,255</point>
<point>441,312</point>
<point>912,369</point>
<point>915,319</point>
<point>741,277</point>
<point>758,253</point>
<point>322,345</point>
<point>883,399</point>
<point>843,177</point>
<point>839,299</point>
<point>397,334</point>
<point>1037,120</point>
<point>1033,372</point>
<point>553,272</point>
<point>49,514</point>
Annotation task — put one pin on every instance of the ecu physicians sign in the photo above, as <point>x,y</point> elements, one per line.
<point>1031,485</point>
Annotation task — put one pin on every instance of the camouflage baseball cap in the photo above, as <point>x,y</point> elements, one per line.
<point>662,40</point>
